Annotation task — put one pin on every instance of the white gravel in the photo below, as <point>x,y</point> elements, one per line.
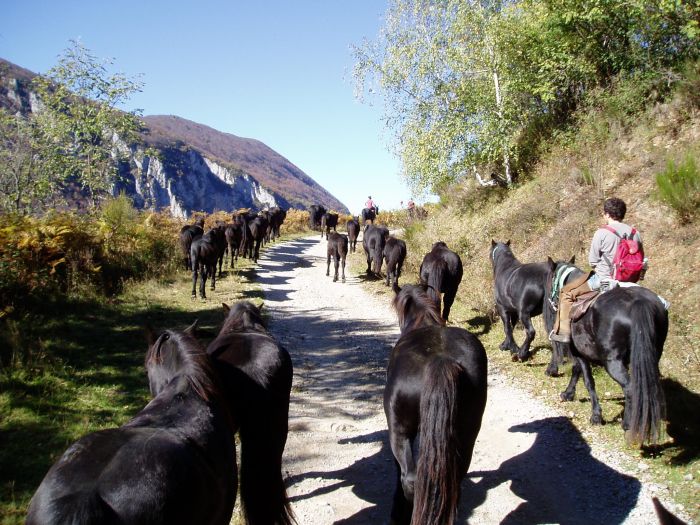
<point>530,464</point>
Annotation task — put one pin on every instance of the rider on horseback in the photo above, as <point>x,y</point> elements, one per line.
<point>600,257</point>
<point>371,206</point>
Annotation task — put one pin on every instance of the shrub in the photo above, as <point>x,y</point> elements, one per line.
<point>678,186</point>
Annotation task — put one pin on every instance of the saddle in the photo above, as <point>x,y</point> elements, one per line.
<point>582,304</point>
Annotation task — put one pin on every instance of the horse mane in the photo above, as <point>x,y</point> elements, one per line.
<point>416,309</point>
<point>192,361</point>
<point>243,316</point>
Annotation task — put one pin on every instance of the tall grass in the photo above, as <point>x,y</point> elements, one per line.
<point>678,186</point>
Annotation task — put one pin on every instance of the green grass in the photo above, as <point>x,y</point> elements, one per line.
<point>87,372</point>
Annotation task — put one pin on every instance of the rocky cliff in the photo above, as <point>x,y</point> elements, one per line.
<point>190,167</point>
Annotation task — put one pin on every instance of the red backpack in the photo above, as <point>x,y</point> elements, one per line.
<point>629,257</point>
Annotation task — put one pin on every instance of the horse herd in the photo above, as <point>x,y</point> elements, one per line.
<point>175,461</point>
<point>243,237</point>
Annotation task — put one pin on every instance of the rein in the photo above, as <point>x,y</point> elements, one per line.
<point>558,282</point>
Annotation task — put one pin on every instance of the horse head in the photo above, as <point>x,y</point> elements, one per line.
<point>498,247</point>
<point>415,308</point>
<point>243,316</point>
<point>175,353</point>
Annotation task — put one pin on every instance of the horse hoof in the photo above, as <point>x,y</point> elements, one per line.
<point>503,346</point>
<point>335,280</point>
<point>552,372</point>
<point>596,419</point>
<point>565,396</point>
<point>524,357</point>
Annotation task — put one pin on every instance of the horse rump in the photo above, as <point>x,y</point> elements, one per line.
<point>337,250</point>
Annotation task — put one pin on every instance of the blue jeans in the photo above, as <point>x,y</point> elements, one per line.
<point>594,282</point>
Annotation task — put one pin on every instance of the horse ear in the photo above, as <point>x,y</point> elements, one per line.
<point>493,243</point>
<point>190,330</point>
<point>150,335</point>
<point>227,308</point>
<point>551,263</point>
<point>508,242</point>
<point>572,260</point>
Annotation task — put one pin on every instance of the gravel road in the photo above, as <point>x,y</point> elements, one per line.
<point>530,463</point>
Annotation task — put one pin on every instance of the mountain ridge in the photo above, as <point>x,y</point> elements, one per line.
<point>196,167</point>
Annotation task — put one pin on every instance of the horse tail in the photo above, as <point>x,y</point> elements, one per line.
<point>440,465</point>
<point>647,405</point>
<point>75,508</point>
<point>435,276</point>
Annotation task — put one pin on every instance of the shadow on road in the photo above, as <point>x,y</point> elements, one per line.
<point>558,479</point>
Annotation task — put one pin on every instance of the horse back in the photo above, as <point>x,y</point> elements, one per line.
<point>521,287</point>
<point>144,472</point>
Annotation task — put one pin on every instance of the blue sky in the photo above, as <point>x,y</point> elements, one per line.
<point>277,71</point>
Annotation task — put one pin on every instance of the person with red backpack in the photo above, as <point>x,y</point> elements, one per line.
<point>616,254</point>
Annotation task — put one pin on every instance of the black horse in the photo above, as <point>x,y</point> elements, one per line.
<point>189,233</point>
<point>624,330</point>
<point>257,374</point>
<point>353,229</point>
<point>173,463</point>
<point>435,390</point>
<point>338,251</point>
<point>441,270</point>
<point>316,211</point>
<point>373,242</point>
<point>394,255</point>
<point>328,221</point>
<point>369,214</point>
<point>233,234</point>
<point>519,292</point>
<point>205,253</point>
<point>277,217</point>
<point>258,229</point>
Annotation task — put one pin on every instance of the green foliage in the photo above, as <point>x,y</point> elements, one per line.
<point>678,186</point>
<point>481,84</point>
<point>77,137</point>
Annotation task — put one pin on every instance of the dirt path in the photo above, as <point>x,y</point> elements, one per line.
<point>530,464</point>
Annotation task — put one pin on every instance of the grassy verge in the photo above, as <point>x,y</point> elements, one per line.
<point>87,370</point>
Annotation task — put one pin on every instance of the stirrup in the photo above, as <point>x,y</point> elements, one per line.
<point>559,338</point>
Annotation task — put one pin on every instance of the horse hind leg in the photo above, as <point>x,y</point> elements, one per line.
<point>524,350</point>
<point>616,369</point>
<point>343,267</point>
<point>336,262</point>
<point>508,321</point>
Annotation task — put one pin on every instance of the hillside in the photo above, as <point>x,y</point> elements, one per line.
<point>272,170</point>
<point>195,167</point>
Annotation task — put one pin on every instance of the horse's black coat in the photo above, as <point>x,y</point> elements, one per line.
<point>373,242</point>
<point>394,255</point>
<point>328,221</point>
<point>189,233</point>
<point>441,270</point>
<point>519,292</point>
<point>338,251</point>
<point>624,331</point>
<point>436,387</point>
<point>369,214</point>
<point>233,234</point>
<point>257,376</point>
<point>205,252</point>
<point>258,229</point>
<point>277,217</point>
<point>353,229</point>
<point>174,463</point>
<point>316,211</point>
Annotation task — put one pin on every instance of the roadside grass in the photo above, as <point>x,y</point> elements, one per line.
<point>88,373</point>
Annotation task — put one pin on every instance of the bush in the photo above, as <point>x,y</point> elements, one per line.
<point>678,186</point>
